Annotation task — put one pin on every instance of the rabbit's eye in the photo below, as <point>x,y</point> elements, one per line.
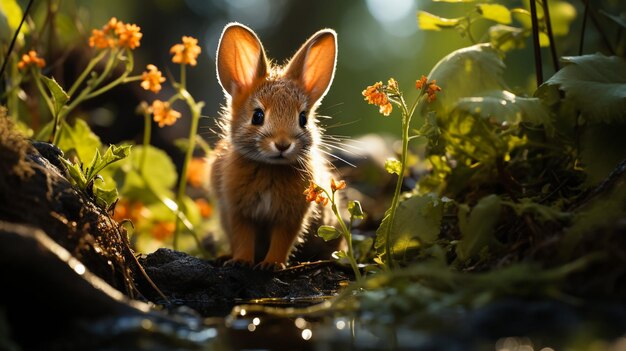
<point>302,119</point>
<point>258,117</point>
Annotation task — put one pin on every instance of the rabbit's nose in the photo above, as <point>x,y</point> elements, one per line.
<point>282,145</point>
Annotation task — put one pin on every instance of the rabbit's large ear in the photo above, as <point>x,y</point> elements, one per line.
<point>240,59</point>
<point>314,64</point>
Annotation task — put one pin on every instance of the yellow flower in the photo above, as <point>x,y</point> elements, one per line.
<point>152,79</point>
<point>187,52</point>
<point>31,59</point>
<point>334,186</point>
<point>375,95</point>
<point>392,84</point>
<point>163,113</point>
<point>116,34</point>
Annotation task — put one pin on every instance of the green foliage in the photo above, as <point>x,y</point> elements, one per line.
<point>593,84</point>
<point>393,166</point>
<point>78,139</point>
<point>10,17</point>
<point>85,177</point>
<point>417,223</point>
<point>355,210</point>
<point>58,95</point>
<point>477,228</point>
<point>327,232</point>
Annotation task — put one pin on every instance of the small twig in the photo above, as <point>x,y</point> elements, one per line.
<point>535,25</point>
<point>17,32</point>
<point>555,58</point>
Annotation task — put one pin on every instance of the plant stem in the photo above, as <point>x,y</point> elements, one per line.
<point>546,13</point>
<point>195,108</point>
<point>582,31</point>
<point>44,94</point>
<point>536,46</point>
<point>348,236</point>
<point>147,130</point>
<point>87,70</point>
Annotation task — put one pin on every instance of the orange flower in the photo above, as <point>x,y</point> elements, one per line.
<point>419,84</point>
<point>375,95</point>
<point>315,193</point>
<point>197,172</point>
<point>432,90</point>
<point>163,230</point>
<point>31,59</point>
<point>334,186</point>
<point>205,208</point>
<point>129,35</point>
<point>392,84</point>
<point>152,79</point>
<point>116,34</point>
<point>187,52</point>
<point>163,113</point>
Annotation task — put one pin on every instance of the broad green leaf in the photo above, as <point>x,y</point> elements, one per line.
<point>393,166</point>
<point>418,220</point>
<point>113,154</point>
<point>428,21</point>
<point>594,84</point>
<point>543,212</point>
<point>495,12</point>
<point>505,107</point>
<point>59,96</point>
<point>477,228</point>
<point>327,232</point>
<point>507,38</point>
<point>159,175</point>
<point>467,72</point>
<point>355,210</point>
<point>78,138</point>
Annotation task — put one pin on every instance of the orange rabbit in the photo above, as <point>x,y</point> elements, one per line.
<point>268,150</point>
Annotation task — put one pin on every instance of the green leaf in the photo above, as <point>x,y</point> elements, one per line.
<point>105,197</point>
<point>158,168</point>
<point>505,107</point>
<point>594,84</point>
<point>10,18</point>
<point>328,233</point>
<point>467,72</point>
<point>495,12</point>
<point>428,21</point>
<point>78,138</point>
<point>417,221</point>
<point>59,96</point>
<point>355,210</point>
<point>339,255</point>
<point>76,173</point>
<point>507,38</point>
<point>393,166</point>
<point>477,231</point>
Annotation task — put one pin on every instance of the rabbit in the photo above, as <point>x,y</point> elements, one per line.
<point>268,149</point>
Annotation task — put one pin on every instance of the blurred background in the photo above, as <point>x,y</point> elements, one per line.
<point>378,39</point>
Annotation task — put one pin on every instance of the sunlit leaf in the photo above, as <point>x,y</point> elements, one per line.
<point>11,16</point>
<point>76,174</point>
<point>327,232</point>
<point>477,228</point>
<point>562,13</point>
<point>506,38</point>
<point>418,220</point>
<point>595,84</point>
<point>428,21</point>
<point>355,210</point>
<point>59,96</point>
<point>495,12</point>
<point>105,197</point>
<point>80,139</point>
<point>467,72</point>
<point>505,107</point>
